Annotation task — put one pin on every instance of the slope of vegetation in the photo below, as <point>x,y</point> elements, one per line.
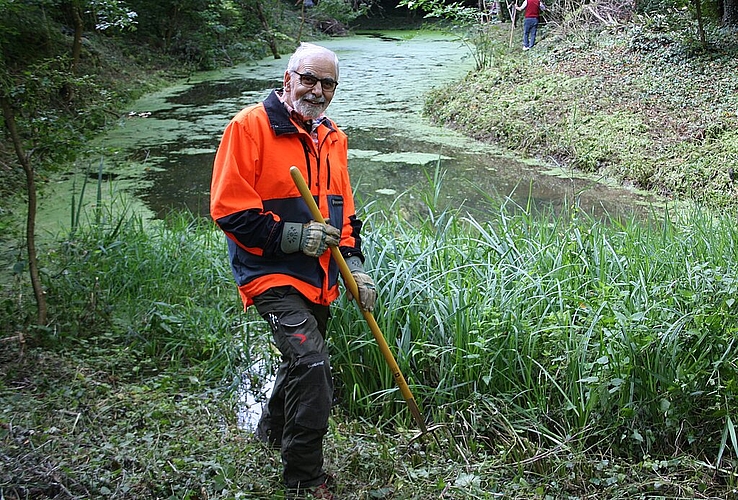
<point>642,102</point>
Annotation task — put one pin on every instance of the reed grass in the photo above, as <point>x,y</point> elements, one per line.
<point>535,329</point>
<point>620,331</point>
<point>161,288</point>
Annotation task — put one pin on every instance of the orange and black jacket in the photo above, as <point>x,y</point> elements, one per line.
<point>253,195</point>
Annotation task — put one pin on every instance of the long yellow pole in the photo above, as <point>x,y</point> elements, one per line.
<point>350,283</point>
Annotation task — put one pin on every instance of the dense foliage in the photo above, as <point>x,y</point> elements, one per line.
<point>618,333</point>
<point>564,356</point>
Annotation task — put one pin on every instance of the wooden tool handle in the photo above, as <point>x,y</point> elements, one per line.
<point>350,283</point>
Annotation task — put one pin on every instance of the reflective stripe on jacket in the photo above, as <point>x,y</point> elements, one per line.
<point>252,195</point>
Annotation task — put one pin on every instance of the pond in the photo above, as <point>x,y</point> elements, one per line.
<point>162,151</point>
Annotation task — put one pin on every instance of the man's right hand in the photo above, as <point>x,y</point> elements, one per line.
<point>311,238</point>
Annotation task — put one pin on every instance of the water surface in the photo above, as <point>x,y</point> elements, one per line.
<point>163,150</point>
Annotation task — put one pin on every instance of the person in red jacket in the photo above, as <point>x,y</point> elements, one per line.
<point>279,255</point>
<point>533,10</point>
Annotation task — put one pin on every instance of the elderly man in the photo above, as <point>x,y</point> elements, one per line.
<point>279,255</point>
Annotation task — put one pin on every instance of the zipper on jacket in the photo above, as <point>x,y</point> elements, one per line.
<point>306,150</point>
<point>328,166</point>
<point>327,159</point>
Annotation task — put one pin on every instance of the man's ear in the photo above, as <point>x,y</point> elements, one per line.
<point>286,82</point>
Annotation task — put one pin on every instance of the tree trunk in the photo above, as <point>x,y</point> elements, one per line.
<point>47,31</point>
<point>700,25</point>
<point>730,12</point>
<point>9,116</point>
<point>268,30</point>
<point>78,32</point>
<point>302,21</point>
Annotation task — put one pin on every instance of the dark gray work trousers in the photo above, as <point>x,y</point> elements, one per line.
<point>296,415</point>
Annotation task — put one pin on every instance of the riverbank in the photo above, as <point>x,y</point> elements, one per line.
<point>643,104</point>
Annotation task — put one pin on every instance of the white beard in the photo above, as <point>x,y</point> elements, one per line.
<point>309,110</point>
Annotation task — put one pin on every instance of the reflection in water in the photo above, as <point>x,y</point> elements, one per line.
<point>185,181</point>
<point>252,396</point>
<point>261,361</point>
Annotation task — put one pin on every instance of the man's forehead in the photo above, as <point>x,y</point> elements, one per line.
<point>318,62</point>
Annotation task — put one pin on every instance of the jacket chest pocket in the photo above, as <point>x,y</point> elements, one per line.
<point>335,210</point>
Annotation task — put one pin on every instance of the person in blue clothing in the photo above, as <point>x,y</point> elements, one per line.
<point>533,9</point>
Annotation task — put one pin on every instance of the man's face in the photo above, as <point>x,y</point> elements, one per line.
<point>310,102</point>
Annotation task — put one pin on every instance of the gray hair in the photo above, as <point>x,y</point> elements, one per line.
<point>306,50</point>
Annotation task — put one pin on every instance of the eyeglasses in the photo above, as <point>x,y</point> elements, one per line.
<point>308,80</point>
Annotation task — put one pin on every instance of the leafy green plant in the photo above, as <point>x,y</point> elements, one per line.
<point>542,342</point>
<point>145,273</point>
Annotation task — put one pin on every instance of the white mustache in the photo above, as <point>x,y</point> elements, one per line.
<point>314,98</point>
<point>308,109</point>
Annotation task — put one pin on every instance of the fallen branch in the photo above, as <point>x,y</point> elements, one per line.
<point>19,337</point>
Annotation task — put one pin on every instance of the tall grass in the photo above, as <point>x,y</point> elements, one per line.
<point>620,332</point>
<point>534,329</point>
<point>160,288</point>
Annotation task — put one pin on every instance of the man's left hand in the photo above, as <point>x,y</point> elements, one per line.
<point>365,283</point>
